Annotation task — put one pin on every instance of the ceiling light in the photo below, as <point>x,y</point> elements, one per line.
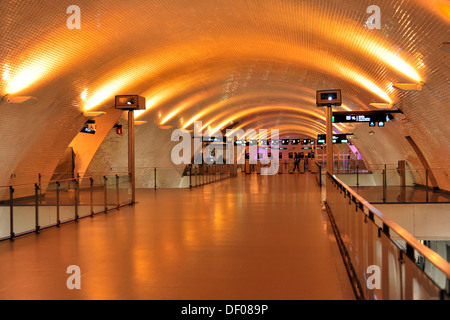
<point>93,114</point>
<point>408,86</point>
<point>138,123</point>
<point>18,99</point>
<point>381,105</point>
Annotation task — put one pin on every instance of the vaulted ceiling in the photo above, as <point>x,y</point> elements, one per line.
<point>229,63</point>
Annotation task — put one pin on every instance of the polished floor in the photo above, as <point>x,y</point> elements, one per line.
<point>248,237</point>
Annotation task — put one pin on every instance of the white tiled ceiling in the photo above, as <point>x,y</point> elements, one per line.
<point>212,59</point>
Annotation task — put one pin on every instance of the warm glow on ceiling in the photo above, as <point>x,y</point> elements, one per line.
<point>259,109</point>
<point>267,43</point>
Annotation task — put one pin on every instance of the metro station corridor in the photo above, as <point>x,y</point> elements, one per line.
<point>226,149</point>
<point>248,237</point>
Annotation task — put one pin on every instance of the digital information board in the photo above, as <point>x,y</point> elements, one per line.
<point>373,118</point>
<point>337,138</point>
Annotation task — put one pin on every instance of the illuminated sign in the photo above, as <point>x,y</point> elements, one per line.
<point>337,138</point>
<point>306,141</point>
<point>274,142</point>
<point>363,116</point>
<point>263,142</point>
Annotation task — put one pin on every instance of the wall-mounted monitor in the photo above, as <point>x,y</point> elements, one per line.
<point>306,141</point>
<point>274,142</point>
<point>89,127</point>
<point>130,102</point>
<point>263,142</point>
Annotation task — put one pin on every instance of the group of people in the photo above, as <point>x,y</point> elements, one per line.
<point>297,158</point>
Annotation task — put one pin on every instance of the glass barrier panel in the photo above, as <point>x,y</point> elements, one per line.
<point>84,197</point>
<point>391,284</point>
<point>98,194</point>
<point>418,286</point>
<point>67,198</point>
<point>194,176</point>
<point>48,205</point>
<point>5,212</point>
<point>111,192</point>
<point>393,177</point>
<point>24,216</point>
<point>368,246</point>
<point>145,178</point>
<point>124,189</point>
<point>372,253</point>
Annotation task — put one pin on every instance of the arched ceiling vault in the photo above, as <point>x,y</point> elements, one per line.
<point>267,121</point>
<point>217,61</point>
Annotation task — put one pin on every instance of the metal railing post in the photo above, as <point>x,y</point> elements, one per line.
<point>36,203</point>
<point>91,196</point>
<point>58,220</point>
<point>11,212</point>
<point>155,178</point>
<point>77,195</point>
<point>190,177</point>
<point>40,190</point>
<point>357,175</point>
<point>105,193</point>
<point>384,183</point>
<point>196,178</point>
<point>320,175</point>
<point>426,183</point>
<point>117,191</point>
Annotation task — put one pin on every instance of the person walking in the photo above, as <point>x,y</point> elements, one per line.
<point>296,161</point>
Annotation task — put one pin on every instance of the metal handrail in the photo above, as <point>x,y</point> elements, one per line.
<point>93,175</point>
<point>75,202</point>
<point>439,262</point>
<point>64,180</point>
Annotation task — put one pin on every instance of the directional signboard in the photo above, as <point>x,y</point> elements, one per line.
<point>371,117</point>
<point>337,138</point>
